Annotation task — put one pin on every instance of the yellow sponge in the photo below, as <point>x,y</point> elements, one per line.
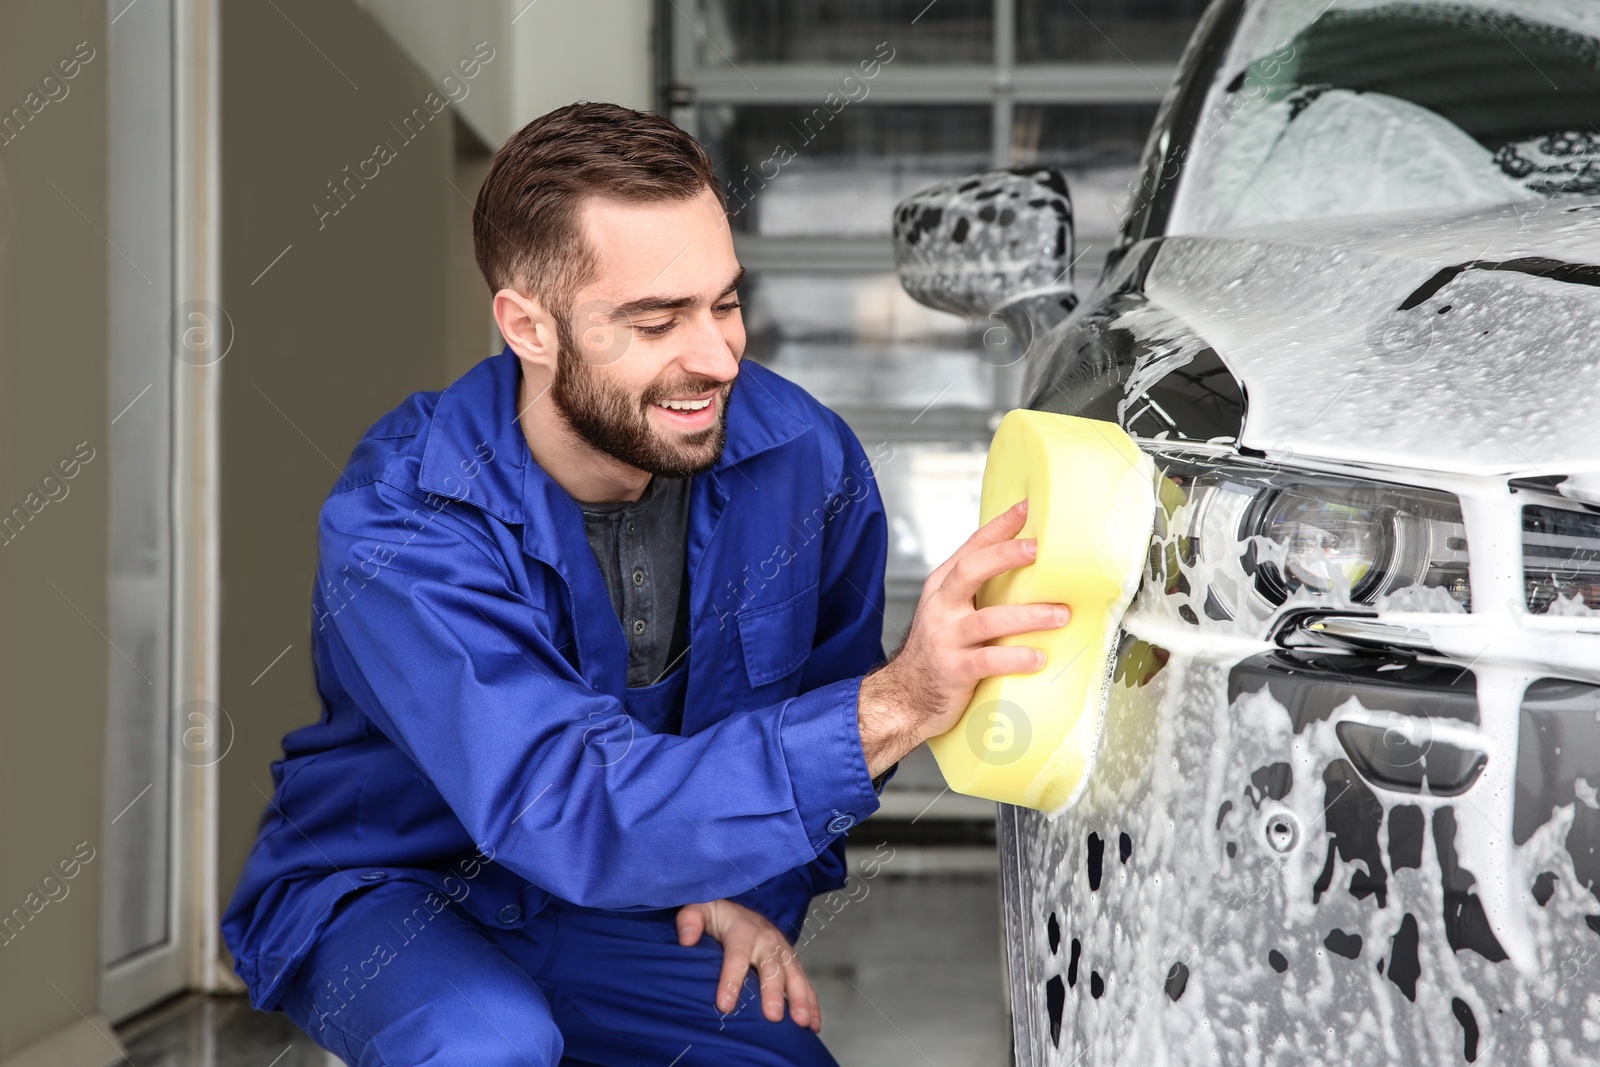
<point>1030,739</point>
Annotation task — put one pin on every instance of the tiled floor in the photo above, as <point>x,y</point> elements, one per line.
<point>910,974</point>
<point>219,1032</point>
<point>908,971</point>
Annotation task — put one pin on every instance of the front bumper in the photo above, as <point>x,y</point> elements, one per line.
<point>1384,852</point>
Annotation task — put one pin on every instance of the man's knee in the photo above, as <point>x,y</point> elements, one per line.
<point>445,995</point>
<point>487,1023</point>
<point>495,1036</point>
<point>747,1036</point>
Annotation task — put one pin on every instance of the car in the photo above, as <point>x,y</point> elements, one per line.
<point>1345,805</point>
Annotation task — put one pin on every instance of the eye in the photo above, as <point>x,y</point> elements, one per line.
<point>732,305</point>
<point>656,330</point>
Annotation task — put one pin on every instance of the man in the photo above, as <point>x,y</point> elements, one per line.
<point>597,637</point>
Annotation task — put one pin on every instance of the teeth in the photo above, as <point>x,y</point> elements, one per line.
<point>686,405</point>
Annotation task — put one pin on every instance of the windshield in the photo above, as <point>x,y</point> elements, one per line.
<point>1363,106</point>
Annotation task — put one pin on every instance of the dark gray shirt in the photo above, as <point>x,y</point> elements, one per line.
<point>641,546</point>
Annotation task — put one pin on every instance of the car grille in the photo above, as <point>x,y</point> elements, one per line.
<point>1561,561</point>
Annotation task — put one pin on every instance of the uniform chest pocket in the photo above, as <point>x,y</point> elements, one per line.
<point>777,638</point>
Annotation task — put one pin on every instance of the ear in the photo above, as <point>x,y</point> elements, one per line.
<point>528,328</point>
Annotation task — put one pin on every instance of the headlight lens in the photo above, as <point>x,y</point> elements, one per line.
<point>1237,539</point>
<point>1327,544</point>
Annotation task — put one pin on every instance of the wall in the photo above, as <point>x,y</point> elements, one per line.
<point>53,370</point>
<point>337,331</point>
<point>562,50</point>
<point>435,35</point>
<point>583,50</point>
<point>471,316</point>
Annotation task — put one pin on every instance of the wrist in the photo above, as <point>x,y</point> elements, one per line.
<point>887,732</point>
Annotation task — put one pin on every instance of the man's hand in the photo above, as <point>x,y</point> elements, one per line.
<point>927,684</point>
<point>749,940</point>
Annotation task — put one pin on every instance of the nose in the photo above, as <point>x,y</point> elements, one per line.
<point>712,349</point>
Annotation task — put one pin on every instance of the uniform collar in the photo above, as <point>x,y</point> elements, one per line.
<point>476,451</point>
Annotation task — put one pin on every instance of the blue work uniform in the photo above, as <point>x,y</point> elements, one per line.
<point>478,739</point>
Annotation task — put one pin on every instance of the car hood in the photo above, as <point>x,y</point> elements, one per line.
<point>1464,342</point>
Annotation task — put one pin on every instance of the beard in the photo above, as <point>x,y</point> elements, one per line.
<point>617,422</point>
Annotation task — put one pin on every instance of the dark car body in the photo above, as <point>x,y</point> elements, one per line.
<point>1345,807</point>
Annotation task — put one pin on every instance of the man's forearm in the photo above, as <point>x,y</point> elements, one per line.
<point>887,712</point>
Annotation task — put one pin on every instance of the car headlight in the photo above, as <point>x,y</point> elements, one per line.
<point>1238,539</point>
<point>1326,545</point>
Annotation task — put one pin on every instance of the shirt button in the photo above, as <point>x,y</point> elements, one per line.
<point>632,527</point>
<point>638,577</point>
<point>841,822</point>
<point>510,914</point>
<point>638,626</point>
<point>374,876</point>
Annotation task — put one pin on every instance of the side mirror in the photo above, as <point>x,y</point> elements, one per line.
<point>992,244</point>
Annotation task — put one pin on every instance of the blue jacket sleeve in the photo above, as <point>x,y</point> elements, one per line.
<point>849,641</point>
<point>454,666</point>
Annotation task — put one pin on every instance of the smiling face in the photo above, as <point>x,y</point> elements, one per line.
<point>648,356</point>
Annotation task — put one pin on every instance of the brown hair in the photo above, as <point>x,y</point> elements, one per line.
<point>526,231</point>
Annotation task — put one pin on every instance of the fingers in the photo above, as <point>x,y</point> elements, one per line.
<point>1002,527</point>
<point>772,973</point>
<point>691,924</point>
<point>802,997</point>
<point>1006,659</point>
<point>1004,620</point>
<point>749,940</point>
<point>973,569</point>
<point>783,978</point>
<point>735,965</point>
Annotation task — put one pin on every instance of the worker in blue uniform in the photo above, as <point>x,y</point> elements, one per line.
<point>597,635</point>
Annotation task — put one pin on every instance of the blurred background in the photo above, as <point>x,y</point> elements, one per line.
<point>206,296</point>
